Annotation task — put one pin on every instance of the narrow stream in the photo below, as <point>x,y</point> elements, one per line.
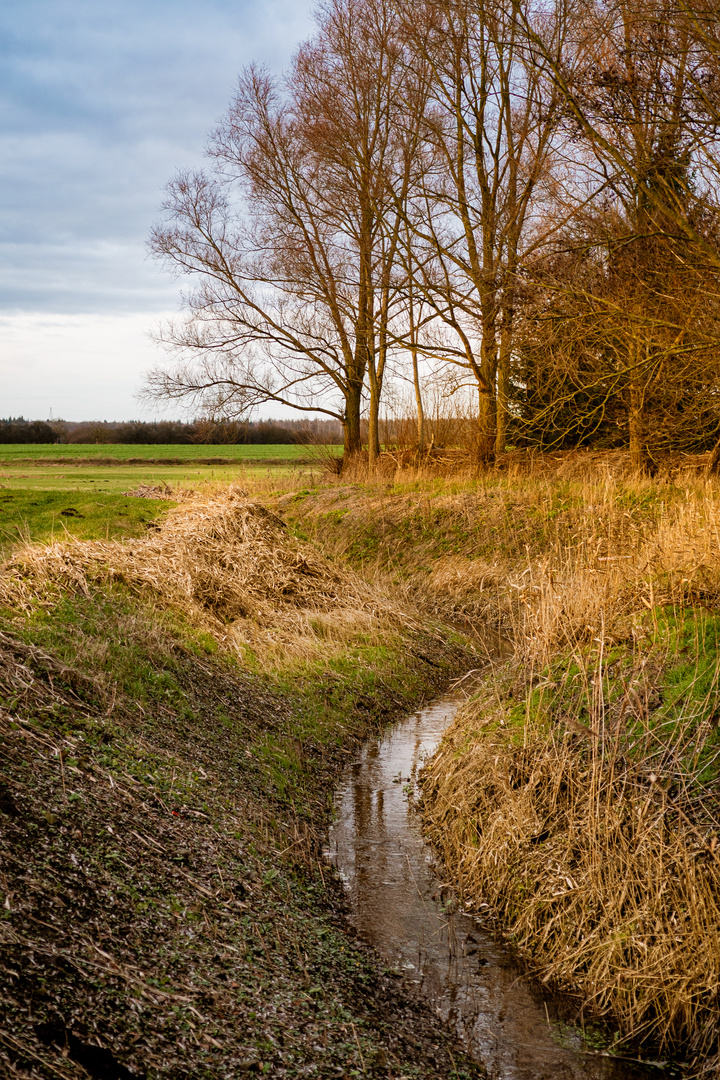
<point>400,907</point>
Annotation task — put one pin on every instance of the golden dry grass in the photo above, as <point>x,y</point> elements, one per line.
<point>602,870</point>
<point>576,799</point>
<point>599,584</point>
<point>232,568</point>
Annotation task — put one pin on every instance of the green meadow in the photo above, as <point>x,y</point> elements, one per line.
<point>35,515</point>
<point>14,453</point>
<point>49,492</point>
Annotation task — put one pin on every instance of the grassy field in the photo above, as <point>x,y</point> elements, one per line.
<point>39,483</point>
<point>28,515</point>
<point>11,453</point>
<point>121,478</point>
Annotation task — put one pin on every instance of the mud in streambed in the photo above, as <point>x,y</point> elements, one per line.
<point>400,906</point>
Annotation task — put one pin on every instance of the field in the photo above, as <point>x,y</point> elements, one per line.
<point>47,492</point>
<point>29,515</point>
<point>14,453</point>
<point>118,467</point>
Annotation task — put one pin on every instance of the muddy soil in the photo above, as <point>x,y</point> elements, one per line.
<point>164,911</point>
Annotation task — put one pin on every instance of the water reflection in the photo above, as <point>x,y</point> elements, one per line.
<point>401,907</point>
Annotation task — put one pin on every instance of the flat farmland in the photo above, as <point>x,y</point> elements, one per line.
<point>115,453</point>
<point>116,468</point>
<point>50,492</point>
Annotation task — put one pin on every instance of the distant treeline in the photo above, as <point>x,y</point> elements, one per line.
<point>175,432</point>
<point>18,430</point>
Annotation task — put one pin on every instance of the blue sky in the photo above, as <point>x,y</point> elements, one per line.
<point>100,102</point>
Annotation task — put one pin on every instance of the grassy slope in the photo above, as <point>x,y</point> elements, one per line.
<point>162,812</point>
<point>461,545</point>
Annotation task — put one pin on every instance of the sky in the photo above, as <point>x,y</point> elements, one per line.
<point>101,102</point>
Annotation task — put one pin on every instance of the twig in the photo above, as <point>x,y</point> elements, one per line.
<point>362,1059</point>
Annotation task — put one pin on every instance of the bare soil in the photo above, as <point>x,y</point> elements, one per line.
<point>166,913</point>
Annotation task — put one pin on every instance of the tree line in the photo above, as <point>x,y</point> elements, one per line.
<point>517,198</point>
<point>171,432</point>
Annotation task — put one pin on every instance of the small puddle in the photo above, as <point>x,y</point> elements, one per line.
<point>400,907</point>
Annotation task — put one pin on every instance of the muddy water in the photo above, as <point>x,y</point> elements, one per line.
<point>400,906</point>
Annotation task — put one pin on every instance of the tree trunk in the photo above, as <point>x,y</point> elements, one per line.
<point>503,381</point>
<point>373,417</point>
<point>503,375</point>
<point>486,376</point>
<point>364,335</point>
<point>418,403</point>
<point>639,457</point>
<point>714,462</point>
<point>485,450</point>
<point>352,437</point>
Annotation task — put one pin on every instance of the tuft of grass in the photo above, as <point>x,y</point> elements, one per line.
<point>231,567</point>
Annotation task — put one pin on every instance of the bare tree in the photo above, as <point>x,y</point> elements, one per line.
<point>490,127</point>
<point>363,105</point>
<point>287,236</point>
<point>273,317</point>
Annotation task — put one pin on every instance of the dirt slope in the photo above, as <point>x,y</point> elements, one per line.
<point>161,811</point>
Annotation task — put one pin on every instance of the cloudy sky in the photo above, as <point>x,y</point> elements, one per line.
<point>101,101</point>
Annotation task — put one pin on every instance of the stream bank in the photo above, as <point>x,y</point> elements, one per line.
<point>401,907</point>
<point>579,796</point>
<point>165,909</point>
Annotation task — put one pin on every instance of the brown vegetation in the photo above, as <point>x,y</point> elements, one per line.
<point>578,799</point>
<point>230,566</point>
<point>575,801</point>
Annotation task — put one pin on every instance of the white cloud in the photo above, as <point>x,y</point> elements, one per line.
<point>100,104</point>
<point>83,367</point>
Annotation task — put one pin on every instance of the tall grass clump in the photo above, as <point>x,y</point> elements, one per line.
<point>576,799</point>
<point>231,567</point>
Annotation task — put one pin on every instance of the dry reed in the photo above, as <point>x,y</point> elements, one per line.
<point>600,868</point>
<point>577,803</point>
<point>232,568</point>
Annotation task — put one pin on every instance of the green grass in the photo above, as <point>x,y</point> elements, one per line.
<point>35,515</point>
<point>117,468</point>
<point>11,453</point>
<point>117,479</point>
<point>663,689</point>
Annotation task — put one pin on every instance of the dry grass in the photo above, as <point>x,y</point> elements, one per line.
<point>533,556</point>
<point>598,585</point>
<point>578,798</point>
<point>600,868</point>
<point>232,568</point>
